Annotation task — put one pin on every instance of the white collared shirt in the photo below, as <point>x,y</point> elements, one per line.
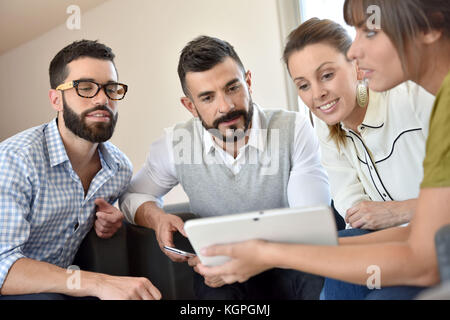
<point>308,181</point>
<point>384,161</point>
<point>255,141</point>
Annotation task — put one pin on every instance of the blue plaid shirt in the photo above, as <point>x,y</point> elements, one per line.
<point>44,214</point>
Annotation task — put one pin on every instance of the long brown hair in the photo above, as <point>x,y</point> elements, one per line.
<point>320,31</point>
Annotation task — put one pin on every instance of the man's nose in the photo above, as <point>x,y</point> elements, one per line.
<point>225,104</point>
<point>101,98</point>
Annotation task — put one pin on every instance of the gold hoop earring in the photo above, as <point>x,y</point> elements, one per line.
<point>362,93</point>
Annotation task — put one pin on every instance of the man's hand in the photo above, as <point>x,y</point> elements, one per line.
<point>109,219</point>
<point>167,224</point>
<point>28,276</point>
<point>151,216</point>
<point>211,281</point>
<point>375,215</point>
<point>125,288</point>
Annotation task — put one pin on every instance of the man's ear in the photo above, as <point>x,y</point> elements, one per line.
<point>55,99</point>
<point>189,105</point>
<point>248,80</point>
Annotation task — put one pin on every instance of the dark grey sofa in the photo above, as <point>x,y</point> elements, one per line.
<point>134,251</point>
<point>442,241</point>
<point>442,290</point>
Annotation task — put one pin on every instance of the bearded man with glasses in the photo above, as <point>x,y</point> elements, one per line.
<point>60,179</point>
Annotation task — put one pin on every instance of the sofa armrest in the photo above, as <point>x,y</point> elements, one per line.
<point>442,242</point>
<point>182,208</point>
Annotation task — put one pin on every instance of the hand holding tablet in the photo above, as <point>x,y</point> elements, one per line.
<point>312,225</point>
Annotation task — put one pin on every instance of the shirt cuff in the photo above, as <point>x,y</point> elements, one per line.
<point>130,202</point>
<point>6,262</point>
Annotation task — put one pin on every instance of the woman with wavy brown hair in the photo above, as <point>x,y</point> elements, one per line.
<point>373,144</point>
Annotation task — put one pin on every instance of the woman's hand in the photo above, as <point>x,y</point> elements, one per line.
<point>247,259</point>
<point>211,281</point>
<point>375,215</point>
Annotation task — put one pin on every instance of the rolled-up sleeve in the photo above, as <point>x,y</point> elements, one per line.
<point>15,200</point>
<point>308,180</point>
<point>153,180</point>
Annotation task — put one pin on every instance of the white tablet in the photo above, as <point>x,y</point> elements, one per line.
<point>312,225</point>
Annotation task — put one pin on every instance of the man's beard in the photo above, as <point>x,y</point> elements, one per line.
<point>95,132</point>
<point>236,133</point>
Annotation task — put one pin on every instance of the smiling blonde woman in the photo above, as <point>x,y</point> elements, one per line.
<point>373,153</point>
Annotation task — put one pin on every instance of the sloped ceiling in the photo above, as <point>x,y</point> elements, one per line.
<point>24,20</point>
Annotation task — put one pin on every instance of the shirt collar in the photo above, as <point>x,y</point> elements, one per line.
<point>55,147</point>
<point>110,158</point>
<point>376,112</point>
<point>57,152</point>
<point>256,136</point>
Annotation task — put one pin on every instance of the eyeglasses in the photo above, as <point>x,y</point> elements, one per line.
<point>89,89</point>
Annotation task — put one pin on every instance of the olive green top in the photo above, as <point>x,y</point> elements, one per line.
<point>437,157</point>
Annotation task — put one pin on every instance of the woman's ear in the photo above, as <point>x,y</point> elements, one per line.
<point>430,36</point>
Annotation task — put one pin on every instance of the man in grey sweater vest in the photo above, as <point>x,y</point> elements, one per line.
<point>231,157</point>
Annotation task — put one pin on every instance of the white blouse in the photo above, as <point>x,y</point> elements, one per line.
<point>384,161</point>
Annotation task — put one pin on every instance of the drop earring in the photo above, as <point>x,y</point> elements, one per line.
<point>362,93</point>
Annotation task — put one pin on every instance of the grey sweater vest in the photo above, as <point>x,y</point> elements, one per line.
<point>261,184</point>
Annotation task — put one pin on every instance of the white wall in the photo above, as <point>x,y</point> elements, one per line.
<point>147,37</point>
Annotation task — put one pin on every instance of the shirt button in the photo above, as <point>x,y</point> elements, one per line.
<point>384,195</point>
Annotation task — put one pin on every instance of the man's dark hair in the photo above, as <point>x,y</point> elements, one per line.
<point>84,48</point>
<point>202,54</point>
